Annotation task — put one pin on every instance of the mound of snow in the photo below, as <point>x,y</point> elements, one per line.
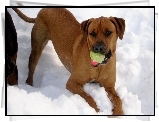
<point>34,101</point>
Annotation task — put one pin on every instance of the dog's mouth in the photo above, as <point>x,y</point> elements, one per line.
<point>104,61</point>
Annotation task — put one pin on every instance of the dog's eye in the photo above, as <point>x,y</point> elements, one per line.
<point>107,33</point>
<point>92,34</point>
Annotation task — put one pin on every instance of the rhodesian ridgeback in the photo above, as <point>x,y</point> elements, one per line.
<point>73,42</point>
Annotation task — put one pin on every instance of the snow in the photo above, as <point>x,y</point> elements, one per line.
<point>49,96</point>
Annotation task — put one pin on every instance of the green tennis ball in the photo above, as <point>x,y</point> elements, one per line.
<point>97,57</point>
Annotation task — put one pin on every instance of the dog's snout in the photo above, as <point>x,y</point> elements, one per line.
<point>98,48</point>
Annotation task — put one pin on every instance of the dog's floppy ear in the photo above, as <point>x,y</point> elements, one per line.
<point>85,24</point>
<point>120,26</point>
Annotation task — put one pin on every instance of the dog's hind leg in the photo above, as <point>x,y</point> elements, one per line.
<point>38,41</point>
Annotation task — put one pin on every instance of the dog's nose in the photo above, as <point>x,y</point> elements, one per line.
<point>98,48</point>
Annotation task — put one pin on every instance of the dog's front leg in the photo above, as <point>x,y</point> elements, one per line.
<point>116,101</point>
<point>75,86</point>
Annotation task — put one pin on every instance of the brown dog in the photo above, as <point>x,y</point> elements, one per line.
<point>73,46</point>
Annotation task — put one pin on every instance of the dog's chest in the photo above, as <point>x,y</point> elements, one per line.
<point>98,72</point>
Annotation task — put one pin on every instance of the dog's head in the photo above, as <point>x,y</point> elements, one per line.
<point>102,34</point>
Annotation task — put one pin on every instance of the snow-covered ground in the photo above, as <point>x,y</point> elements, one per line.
<point>49,96</point>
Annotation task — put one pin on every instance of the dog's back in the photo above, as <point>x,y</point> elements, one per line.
<point>63,28</point>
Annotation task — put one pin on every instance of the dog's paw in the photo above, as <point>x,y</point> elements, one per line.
<point>118,112</point>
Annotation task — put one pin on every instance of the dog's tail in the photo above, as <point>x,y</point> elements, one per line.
<point>24,17</point>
